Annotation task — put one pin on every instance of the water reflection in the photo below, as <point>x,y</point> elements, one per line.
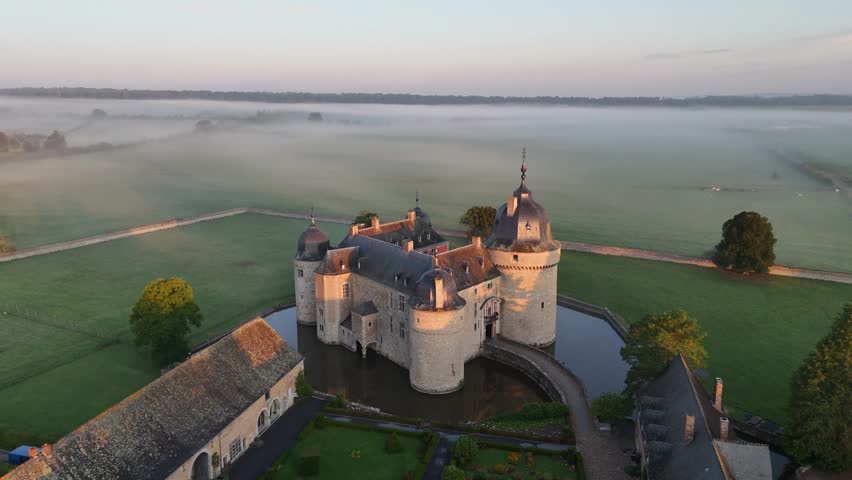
<point>590,348</point>
<point>586,344</point>
<point>489,387</point>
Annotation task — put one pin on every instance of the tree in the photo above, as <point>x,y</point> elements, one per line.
<point>392,443</point>
<point>98,114</point>
<point>479,220</point>
<point>55,141</point>
<point>452,472</point>
<point>820,430</point>
<point>4,142</point>
<point>657,339</point>
<point>303,388</point>
<point>611,407</point>
<point>364,217</point>
<point>6,245</point>
<point>747,243</point>
<point>163,316</point>
<point>465,450</point>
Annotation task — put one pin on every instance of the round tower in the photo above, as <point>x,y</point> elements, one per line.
<point>313,244</point>
<point>522,247</point>
<point>435,319</point>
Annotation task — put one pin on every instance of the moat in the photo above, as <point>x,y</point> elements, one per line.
<point>587,345</point>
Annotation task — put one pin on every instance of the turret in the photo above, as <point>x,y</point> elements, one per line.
<point>522,247</point>
<point>312,246</point>
<point>437,353</point>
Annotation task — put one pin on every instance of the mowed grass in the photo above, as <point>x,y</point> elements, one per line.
<point>759,331</point>
<point>336,444</point>
<point>66,352</point>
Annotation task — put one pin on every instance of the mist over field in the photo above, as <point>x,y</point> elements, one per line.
<point>656,178</point>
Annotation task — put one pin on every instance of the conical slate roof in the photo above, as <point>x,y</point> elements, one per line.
<point>313,243</point>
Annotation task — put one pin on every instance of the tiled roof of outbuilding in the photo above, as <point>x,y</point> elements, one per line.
<point>154,431</point>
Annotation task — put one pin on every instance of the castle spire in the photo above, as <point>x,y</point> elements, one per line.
<point>417,198</point>
<point>523,165</point>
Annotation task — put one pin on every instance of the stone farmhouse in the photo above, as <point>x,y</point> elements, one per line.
<point>681,432</point>
<point>189,423</point>
<point>398,289</point>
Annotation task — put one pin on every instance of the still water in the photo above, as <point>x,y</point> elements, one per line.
<point>585,343</point>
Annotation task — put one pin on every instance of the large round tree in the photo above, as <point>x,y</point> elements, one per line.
<point>748,243</point>
<point>820,430</point>
<point>6,245</point>
<point>479,221</point>
<point>163,316</point>
<point>657,339</point>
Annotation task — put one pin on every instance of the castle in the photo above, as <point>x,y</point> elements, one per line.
<point>397,288</point>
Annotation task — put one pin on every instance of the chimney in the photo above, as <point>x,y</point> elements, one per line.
<point>717,398</point>
<point>411,216</point>
<point>47,450</point>
<point>375,222</point>
<point>353,230</point>
<point>511,205</point>
<point>476,240</point>
<point>408,245</point>
<point>32,452</point>
<point>723,428</point>
<point>689,429</point>
<point>439,292</point>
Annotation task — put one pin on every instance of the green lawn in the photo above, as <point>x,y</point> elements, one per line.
<point>70,355</point>
<point>759,331</point>
<point>336,444</point>
<point>554,466</point>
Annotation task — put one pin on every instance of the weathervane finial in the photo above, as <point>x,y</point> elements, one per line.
<point>417,198</point>
<point>524,164</point>
<point>313,218</point>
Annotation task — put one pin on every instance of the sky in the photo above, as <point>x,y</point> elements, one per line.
<point>531,47</point>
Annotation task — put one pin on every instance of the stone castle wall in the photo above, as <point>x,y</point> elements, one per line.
<point>437,356</point>
<point>305,287</point>
<point>332,306</point>
<point>473,328</point>
<point>528,289</point>
<point>390,343</point>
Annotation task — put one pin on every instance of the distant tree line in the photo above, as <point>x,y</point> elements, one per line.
<point>414,99</point>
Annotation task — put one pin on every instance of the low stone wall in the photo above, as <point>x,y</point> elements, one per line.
<point>527,367</point>
<point>617,324</point>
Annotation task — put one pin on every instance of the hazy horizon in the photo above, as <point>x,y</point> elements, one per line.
<point>612,48</point>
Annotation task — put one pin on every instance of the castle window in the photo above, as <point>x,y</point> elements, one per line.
<point>321,329</point>
<point>490,284</point>
<point>402,303</point>
<point>474,291</point>
<point>266,395</point>
<point>321,312</point>
<point>391,325</point>
<point>542,304</point>
<point>370,324</point>
<point>347,290</point>
<point>474,326</point>
<point>428,236</point>
<point>301,273</point>
<point>401,330</point>
<point>515,258</point>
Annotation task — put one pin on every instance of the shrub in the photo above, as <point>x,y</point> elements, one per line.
<point>530,460</point>
<point>465,450</point>
<point>320,422</point>
<point>568,434</point>
<point>555,409</point>
<point>611,407</point>
<point>309,460</point>
<point>633,470</point>
<point>513,458</point>
<point>303,388</point>
<point>532,411</point>
<point>337,401</point>
<point>500,468</point>
<point>392,443</point>
<point>408,475</point>
<point>452,472</point>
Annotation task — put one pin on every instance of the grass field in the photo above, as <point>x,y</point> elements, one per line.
<point>336,460</point>
<point>759,331</point>
<point>70,355</point>
<point>66,353</point>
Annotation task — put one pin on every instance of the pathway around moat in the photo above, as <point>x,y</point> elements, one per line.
<point>780,270</point>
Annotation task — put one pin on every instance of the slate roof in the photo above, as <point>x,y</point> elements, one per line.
<point>382,262</point>
<point>479,269</point>
<point>748,461</point>
<point>679,394</point>
<point>366,308</point>
<point>347,322</point>
<point>151,433</point>
<point>420,231</point>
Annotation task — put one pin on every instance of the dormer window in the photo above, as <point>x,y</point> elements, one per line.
<point>342,265</point>
<point>481,261</point>
<point>396,278</point>
<point>466,267</point>
<point>528,226</point>
<point>405,280</point>
<point>428,236</point>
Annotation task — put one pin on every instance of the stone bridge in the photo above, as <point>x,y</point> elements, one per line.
<point>553,377</point>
